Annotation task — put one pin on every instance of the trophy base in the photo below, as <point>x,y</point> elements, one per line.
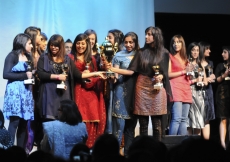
<point>61,86</point>
<point>29,81</point>
<point>158,86</point>
<point>227,78</point>
<point>200,84</point>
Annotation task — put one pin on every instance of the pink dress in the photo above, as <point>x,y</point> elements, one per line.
<point>180,85</point>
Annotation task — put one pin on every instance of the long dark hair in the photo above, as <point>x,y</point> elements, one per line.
<point>88,51</point>
<point>118,37</point>
<point>2,121</point>
<point>89,32</point>
<point>203,46</point>
<point>58,41</point>
<point>32,31</point>
<point>153,52</point>
<point>134,38</point>
<point>183,54</point>
<point>189,53</point>
<point>19,43</point>
<point>69,112</point>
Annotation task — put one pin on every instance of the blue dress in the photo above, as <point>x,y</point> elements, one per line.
<point>18,99</point>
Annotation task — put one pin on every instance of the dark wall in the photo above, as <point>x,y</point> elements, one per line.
<point>211,28</point>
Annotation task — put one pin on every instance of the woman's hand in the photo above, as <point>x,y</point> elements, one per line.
<point>62,77</point>
<point>101,74</point>
<point>29,74</point>
<point>211,78</point>
<point>158,78</point>
<point>189,67</point>
<point>108,66</point>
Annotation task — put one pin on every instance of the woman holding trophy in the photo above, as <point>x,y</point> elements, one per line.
<point>222,73</point>
<point>88,93</point>
<point>18,104</point>
<point>149,101</point>
<point>57,74</point>
<point>197,80</point>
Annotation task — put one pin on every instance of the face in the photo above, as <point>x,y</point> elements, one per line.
<point>225,55</point>
<point>54,49</point>
<point>149,37</point>
<point>92,39</point>
<point>68,47</point>
<point>110,37</point>
<point>38,38</point>
<point>195,52</point>
<point>81,46</point>
<point>177,45</point>
<point>29,46</point>
<point>43,44</point>
<point>207,52</point>
<point>129,44</point>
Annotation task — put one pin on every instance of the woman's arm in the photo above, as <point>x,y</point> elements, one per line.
<point>174,74</point>
<point>121,71</point>
<point>10,61</point>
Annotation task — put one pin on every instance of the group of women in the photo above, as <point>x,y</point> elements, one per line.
<point>185,100</point>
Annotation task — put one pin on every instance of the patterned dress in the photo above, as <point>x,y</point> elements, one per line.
<point>196,111</point>
<point>18,99</point>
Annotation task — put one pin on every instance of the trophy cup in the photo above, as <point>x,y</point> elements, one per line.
<point>227,66</point>
<point>209,71</point>
<point>65,69</point>
<point>29,69</point>
<point>87,68</point>
<point>158,85</point>
<point>107,51</point>
<point>191,73</point>
<point>200,74</point>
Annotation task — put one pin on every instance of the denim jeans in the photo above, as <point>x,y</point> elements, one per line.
<point>178,125</point>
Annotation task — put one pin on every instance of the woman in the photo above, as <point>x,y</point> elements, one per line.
<point>182,96</point>
<point>61,135</point>
<point>123,120</point>
<point>208,98</point>
<point>57,74</point>
<point>93,41</point>
<point>197,108</point>
<point>222,94</point>
<point>149,101</point>
<point>18,104</point>
<point>43,43</point>
<point>115,37</point>
<point>88,93</point>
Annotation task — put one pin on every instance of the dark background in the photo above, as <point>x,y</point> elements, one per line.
<point>211,28</point>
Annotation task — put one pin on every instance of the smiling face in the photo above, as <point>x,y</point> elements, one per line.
<point>225,55</point>
<point>29,46</point>
<point>81,46</point>
<point>129,44</point>
<point>111,38</point>
<point>177,45</point>
<point>54,49</point>
<point>195,52</point>
<point>92,39</point>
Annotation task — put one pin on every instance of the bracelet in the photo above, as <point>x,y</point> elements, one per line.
<point>58,77</point>
<point>182,72</point>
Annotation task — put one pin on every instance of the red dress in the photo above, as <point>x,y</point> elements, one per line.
<point>180,85</point>
<point>90,102</point>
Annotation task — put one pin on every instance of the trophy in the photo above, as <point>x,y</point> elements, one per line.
<point>191,73</point>
<point>209,71</point>
<point>65,69</point>
<point>158,85</point>
<point>107,51</point>
<point>227,66</point>
<point>200,74</point>
<point>87,68</point>
<point>29,69</point>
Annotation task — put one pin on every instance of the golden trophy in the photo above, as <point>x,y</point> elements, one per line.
<point>227,66</point>
<point>200,74</point>
<point>158,85</point>
<point>65,70</point>
<point>209,71</point>
<point>29,69</point>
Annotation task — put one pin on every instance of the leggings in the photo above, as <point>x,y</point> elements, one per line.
<point>19,124</point>
<point>156,126</point>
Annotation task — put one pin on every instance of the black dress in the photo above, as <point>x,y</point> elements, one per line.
<point>222,94</point>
